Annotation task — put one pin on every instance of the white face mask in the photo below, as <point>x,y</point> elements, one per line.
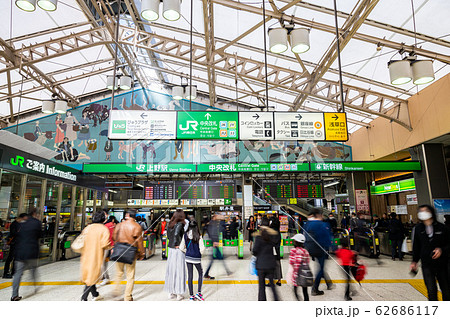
<point>424,215</point>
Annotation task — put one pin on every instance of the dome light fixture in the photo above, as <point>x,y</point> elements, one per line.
<point>422,71</point>
<point>278,40</point>
<point>47,5</point>
<point>177,92</point>
<point>111,82</point>
<point>150,10</point>
<point>400,72</point>
<point>48,106</point>
<point>26,5</point>
<point>171,9</point>
<point>125,82</point>
<point>299,40</point>
<point>61,106</point>
<point>184,91</point>
<point>190,92</point>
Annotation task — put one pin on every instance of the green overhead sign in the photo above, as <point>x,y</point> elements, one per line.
<point>366,166</point>
<point>112,168</point>
<point>394,187</point>
<point>207,125</point>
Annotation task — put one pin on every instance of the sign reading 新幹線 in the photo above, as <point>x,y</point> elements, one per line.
<point>207,125</point>
<point>133,124</point>
<point>365,166</point>
<point>299,126</point>
<point>256,126</point>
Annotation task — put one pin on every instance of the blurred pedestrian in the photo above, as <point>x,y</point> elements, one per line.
<point>251,227</point>
<point>318,242</point>
<point>396,236</point>
<point>431,243</point>
<point>193,246</point>
<point>234,226</point>
<point>96,241</point>
<point>297,258</point>
<point>275,225</point>
<point>128,232</point>
<point>27,250</point>
<point>214,229</point>
<point>175,282</point>
<point>265,242</point>
<point>11,241</point>
<point>110,223</point>
<point>347,259</point>
<point>332,222</point>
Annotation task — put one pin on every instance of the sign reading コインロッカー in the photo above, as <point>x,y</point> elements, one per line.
<point>256,126</point>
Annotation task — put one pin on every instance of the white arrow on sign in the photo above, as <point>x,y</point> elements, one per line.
<point>207,115</point>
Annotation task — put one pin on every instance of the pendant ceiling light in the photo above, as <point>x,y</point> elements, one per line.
<point>47,5</point>
<point>26,5</point>
<point>278,40</point>
<point>171,9</point>
<point>422,71</point>
<point>48,106</point>
<point>125,82</point>
<point>150,10</point>
<point>191,92</point>
<point>400,72</point>
<point>61,106</point>
<point>111,82</point>
<point>299,40</point>
<point>177,92</point>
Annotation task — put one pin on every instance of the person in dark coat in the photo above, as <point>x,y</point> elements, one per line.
<point>332,222</point>
<point>27,251</point>
<point>396,236</point>
<point>234,226</point>
<point>431,245</point>
<point>275,225</point>
<point>12,238</point>
<point>266,261</point>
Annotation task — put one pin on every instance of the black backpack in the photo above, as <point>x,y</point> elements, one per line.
<point>305,276</point>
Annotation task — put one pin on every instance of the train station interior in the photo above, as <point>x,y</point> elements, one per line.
<point>233,112</point>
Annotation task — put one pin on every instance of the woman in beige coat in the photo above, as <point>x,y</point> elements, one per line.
<point>97,239</point>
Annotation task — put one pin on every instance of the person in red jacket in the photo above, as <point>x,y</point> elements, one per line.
<point>110,223</point>
<point>347,260</point>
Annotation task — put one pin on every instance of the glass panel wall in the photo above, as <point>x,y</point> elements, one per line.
<point>32,193</point>
<point>9,196</point>
<point>51,202</point>
<point>66,207</point>
<point>78,217</point>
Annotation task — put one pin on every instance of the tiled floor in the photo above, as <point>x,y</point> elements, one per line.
<point>386,280</point>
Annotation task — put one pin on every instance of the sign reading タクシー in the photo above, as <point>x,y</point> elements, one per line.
<point>299,126</point>
<point>207,125</point>
<point>256,126</point>
<point>160,125</point>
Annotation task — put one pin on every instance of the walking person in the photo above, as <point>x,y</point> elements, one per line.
<point>214,229</point>
<point>128,232</point>
<point>396,236</point>
<point>27,251</point>
<point>265,241</point>
<point>110,223</point>
<point>347,259</point>
<point>12,238</point>
<point>194,247</point>
<point>275,225</point>
<point>96,241</point>
<point>431,243</point>
<point>175,282</point>
<point>297,258</point>
<point>318,242</point>
<point>251,227</point>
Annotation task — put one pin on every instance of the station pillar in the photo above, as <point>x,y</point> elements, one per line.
<point>247,198</point>
<point>359,192</point>
<point>432,182</point>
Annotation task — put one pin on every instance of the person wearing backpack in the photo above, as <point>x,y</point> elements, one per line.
<point>347,260</point>
<point>298,258</point>
<point>318,242</point>
<point>193,246</point>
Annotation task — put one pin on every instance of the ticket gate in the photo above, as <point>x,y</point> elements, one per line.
<point>338,234</point>
<point>365,241</point>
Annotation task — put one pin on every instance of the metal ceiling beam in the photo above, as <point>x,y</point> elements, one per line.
<point>208,20</point>
<point>368,101</point>
<point>331,29</point>
<point>360,12</point>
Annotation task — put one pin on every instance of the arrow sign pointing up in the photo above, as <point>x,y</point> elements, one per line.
<point>335,117</point>
<point>299,117</point>
<point>256,116</point>
<point>143,115</point>
<point>208,116</point>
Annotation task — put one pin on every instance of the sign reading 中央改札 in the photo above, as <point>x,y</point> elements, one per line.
<point>132,124</point>
<point>207,125</point>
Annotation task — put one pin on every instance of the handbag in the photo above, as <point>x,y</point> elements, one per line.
<point>252,266</point>
<point>76,127</point>
<point>63,126</point>
<point>305,277</point>
<point>84,130</point>
<point>123,252</point>
<point>78,244</point>
<point>405,246</point>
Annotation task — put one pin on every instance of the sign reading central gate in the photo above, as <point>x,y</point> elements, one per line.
<point>207,125</point>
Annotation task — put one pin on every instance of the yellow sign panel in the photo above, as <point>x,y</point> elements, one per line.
<point>335,127</point>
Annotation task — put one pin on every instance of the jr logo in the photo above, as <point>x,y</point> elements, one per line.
<point>189,124</point>
<point>18,161</point>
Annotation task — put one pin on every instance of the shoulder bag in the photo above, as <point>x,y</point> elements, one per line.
<point>123,252</point>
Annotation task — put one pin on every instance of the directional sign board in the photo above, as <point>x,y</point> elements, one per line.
<point>335,126</point>
<point>207,125</point>
<point>134,124</point>
<point>299,126</point>
<point>256,126</point>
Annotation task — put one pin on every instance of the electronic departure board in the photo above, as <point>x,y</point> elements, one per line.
<point>159,190</point>
<point>277,188</point>
<point>312,189</point>
<point>220,189</point>
<point>190,189</point>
